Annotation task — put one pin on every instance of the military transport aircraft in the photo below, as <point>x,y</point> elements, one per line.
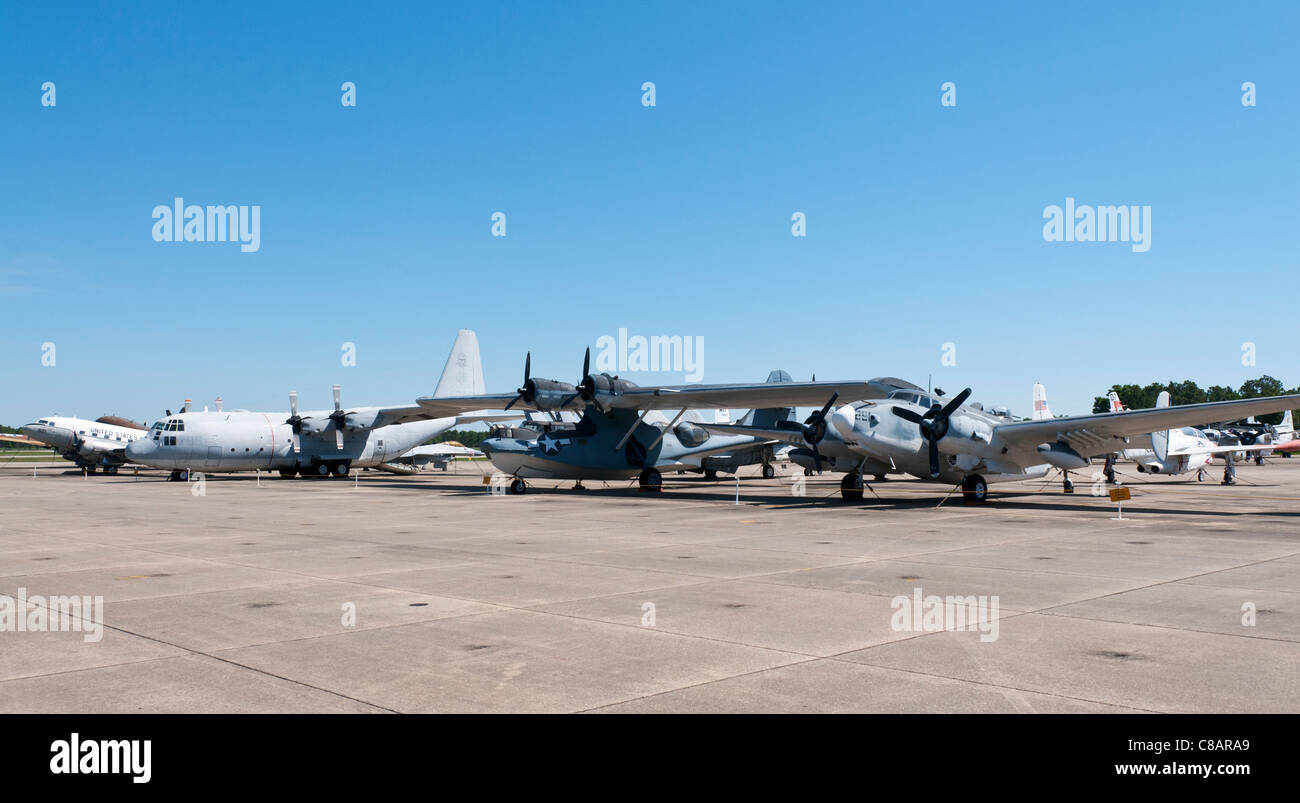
<point>101,443</point>
<point>613,440</point>
<point>947,440</point>
<point>314,443</point>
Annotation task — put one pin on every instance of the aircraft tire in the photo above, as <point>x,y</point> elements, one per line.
<point>322,469</point>
<point>287,473</point>
<point>341,468</point>
<point>651,481</point>
<point>768,471</point>
<point>518,487</point>
<point>975,489</point>
<point>851,488</point>
<point>710,474</point>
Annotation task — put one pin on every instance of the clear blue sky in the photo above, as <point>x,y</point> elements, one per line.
<point>924,222</point>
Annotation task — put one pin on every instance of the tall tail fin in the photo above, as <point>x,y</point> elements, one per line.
<point>463,373</point>
<point>1041,411</point>
<point>766,417</point>
<point>1115,406</point>
<point>1160,440</point>
<point>1285,429</point>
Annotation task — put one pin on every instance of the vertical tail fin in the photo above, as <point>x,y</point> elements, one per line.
<point>1115,406</point>
<point>1041,411</point>
<point>1285,429</point>
<point>767,417</point>
<point>463,373</point>
<point>1160,440</point>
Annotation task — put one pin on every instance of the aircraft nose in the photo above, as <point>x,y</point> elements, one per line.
<point>138,450</point>
<point>843,420</point>
<point>30,430</point>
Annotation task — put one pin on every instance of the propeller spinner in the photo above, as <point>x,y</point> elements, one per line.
<point>813,429</point>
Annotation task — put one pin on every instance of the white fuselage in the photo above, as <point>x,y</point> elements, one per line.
<point>86,442</point>
<point>1188,451</point>
<point>244,441</point>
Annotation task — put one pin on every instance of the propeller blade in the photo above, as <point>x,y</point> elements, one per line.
<point>528,366</point>
<point>958,400</point>
<point>829,402</point>
<point>336,398</point>
<point>934,459</point>
<point>512,403</point>
<point>297,446</point>
<point>293,403</point>
<point>586,363</point>
<point>817,458</point>
<point>338,438</point>
<point>908,415</point>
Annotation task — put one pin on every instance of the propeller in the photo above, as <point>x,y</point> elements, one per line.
<point>339,418</point>
<point>934,424</point>
<point>294,420</point>
<point>586,385</point>
<point>813,429</point>
<point>526,392</point>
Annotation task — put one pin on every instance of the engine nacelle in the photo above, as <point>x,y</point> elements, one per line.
<point>1061,456</point>
<point>549,394</point>
<point>690,435</point>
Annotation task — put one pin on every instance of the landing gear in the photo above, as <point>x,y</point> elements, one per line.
<point>179,476</point>
<point>287,473</point>
<point>851,487</point>
<point>322,469</point>
<point>651,481</point>
<point>110,470</point>
<point>974,489</point>
<point>1229,470</point>
<point>1200,475</point>
<point>1259,459</point>
<point>1109,469</point>
<point>807,472</point>
<point>710,474</point>
<point>88,469</point>
<point>518,487</point>
<point>341,468</point>
<point>768,471</point>
<point>880,477</point>
<point>1066,485</point>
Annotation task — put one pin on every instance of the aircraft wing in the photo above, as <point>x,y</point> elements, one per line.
<point>676,397</point>
<point>794,436</point>
<point>475,414</point>
<point>1097,434</point>
<point>23,439</point>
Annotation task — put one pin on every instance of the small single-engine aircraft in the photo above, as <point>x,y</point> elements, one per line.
<point>101,443</point>
<point>614,440</point>
<point>312,443</point>
<point>948,441</point>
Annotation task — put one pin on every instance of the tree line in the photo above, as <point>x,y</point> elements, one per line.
<point>1138,397</point>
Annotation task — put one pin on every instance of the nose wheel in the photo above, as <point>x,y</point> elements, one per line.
<point>768,471</point>
<point>851,488</point>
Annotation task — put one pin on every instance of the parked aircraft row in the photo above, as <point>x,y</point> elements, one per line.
<point>603,427</point>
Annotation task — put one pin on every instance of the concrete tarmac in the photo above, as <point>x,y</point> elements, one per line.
<point>430,594</point>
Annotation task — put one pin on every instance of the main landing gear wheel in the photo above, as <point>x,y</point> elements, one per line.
<point>1067,486</point>
<point>768,471</point>
<point>518,486</point>
<point>322,469</point>
<point>287,473</point>
<point>651,480</point>
<point>974,489</point>
<point>851,488</point>
<point>807,472</point>
<point>341,469</point>
<point>179,476</point>
<point>1200,475</point>
<point>710,474</point>
<point>880,477</point>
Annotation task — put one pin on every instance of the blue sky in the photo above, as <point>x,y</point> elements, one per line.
<point>924,223</point>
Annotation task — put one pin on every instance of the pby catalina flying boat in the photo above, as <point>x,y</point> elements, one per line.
<point>948,441</point>
<point>613,439</point>
<point>311,443</point>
